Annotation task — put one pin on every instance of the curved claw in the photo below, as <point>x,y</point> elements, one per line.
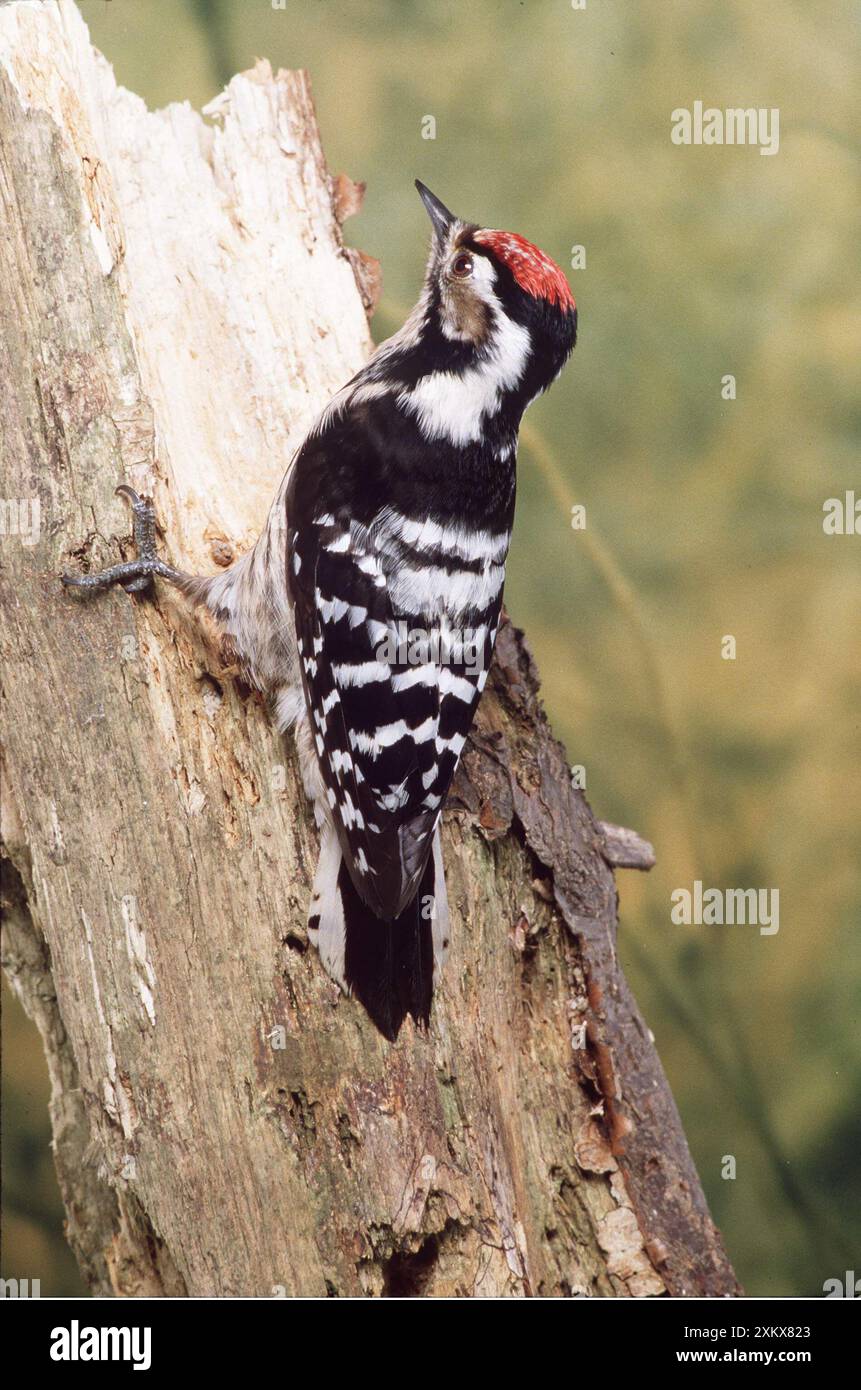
<point>133,575</point>
<point>76,581</point>
<point>125,491</point>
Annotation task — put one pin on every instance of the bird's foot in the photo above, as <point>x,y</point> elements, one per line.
<point>133,575</point>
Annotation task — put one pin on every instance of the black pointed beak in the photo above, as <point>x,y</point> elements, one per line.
<point>437,212</point>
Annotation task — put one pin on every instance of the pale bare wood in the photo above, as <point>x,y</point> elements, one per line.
<point>178,305</point>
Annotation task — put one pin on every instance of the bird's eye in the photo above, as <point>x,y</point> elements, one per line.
<point>462,265</point>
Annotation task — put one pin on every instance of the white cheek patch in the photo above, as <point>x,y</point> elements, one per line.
<point>453,405</point>
<point>483,278</point>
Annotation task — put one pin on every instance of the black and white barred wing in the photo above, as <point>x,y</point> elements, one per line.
<point>396,626</point>
<point>445,589</point>
<point>365,728</point>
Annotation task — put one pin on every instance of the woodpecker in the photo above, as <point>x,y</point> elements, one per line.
<point>369,606</point>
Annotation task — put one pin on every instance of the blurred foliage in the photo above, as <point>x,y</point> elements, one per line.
<point>33,1246</point>
<point>704,515</point>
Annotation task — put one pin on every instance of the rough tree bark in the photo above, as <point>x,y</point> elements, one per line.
<point>177,304</point>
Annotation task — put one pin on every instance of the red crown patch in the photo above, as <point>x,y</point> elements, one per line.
<point>534,272</point>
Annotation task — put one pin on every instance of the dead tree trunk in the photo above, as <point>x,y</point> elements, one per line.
<point>177,304</point>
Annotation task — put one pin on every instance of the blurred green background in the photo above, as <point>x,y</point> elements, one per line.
<point>704,515</point>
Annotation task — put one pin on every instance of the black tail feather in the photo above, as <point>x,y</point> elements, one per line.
<point>389,965</point>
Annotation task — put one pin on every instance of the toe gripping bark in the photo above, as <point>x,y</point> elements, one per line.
<point>134,575</point>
